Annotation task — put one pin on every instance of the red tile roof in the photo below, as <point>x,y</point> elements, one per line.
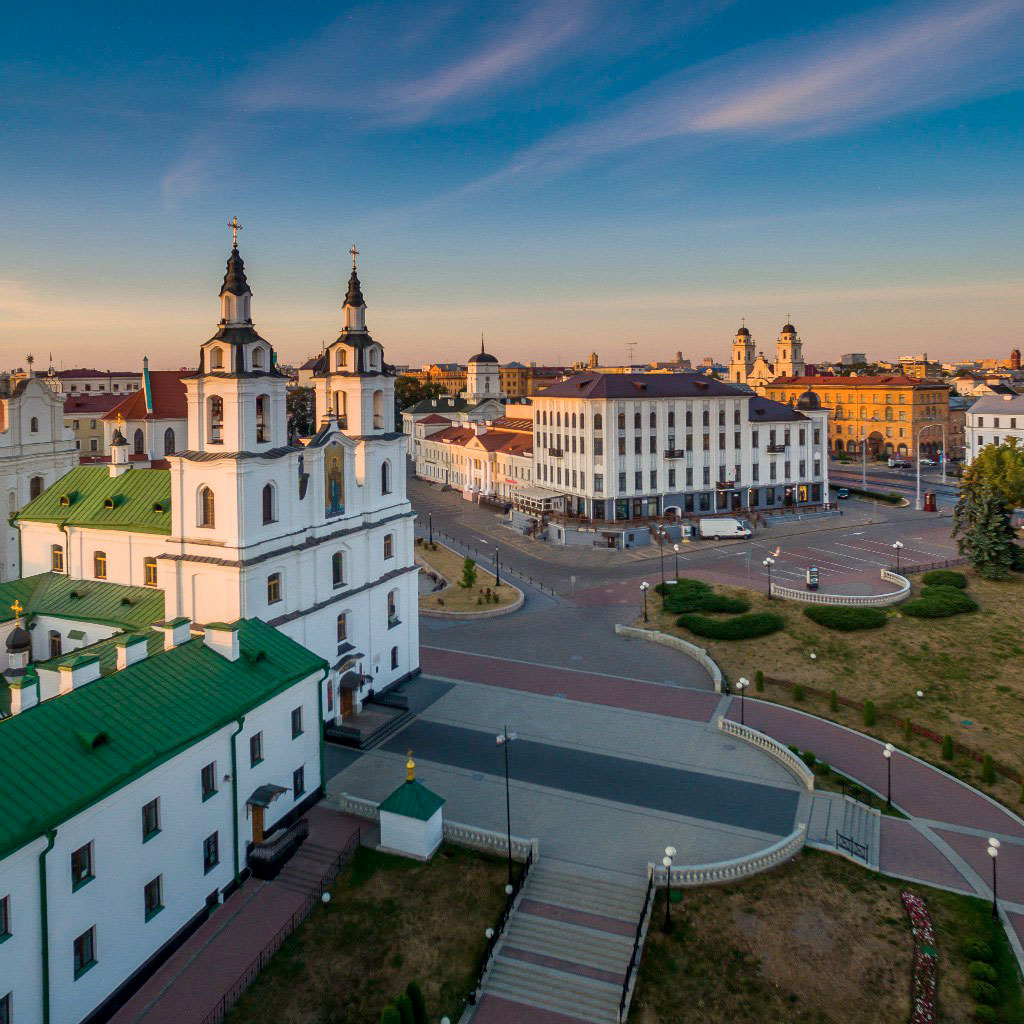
<point>513,423</point>
<point>168,393</point>
<point>897,380</point>
<point>434,418</point>
<point>93,402</point>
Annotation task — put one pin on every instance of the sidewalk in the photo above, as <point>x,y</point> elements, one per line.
<point>193,981</point>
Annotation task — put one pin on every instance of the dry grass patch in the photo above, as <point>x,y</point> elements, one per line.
<point>456,598</point>
<point>390,921</point>
<point>970,668</point>
<point>818,941</point>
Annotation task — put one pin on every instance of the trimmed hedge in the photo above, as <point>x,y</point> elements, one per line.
<point>945,578</point>
<point>939,603</point>
<point>889,497</point>
<point>697,596</point>
<point>741,627</point>
<point>846,618</point>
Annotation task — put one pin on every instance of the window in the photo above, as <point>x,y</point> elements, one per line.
<point>168,441</point>
<point>99,565</point>
<point>298,782</point>
<point>273,588</point>
<point>5,918</point>
<point>153,896</point>
<point>57,557</point>
<point>94,444</point>
<point>389,545</point>
<point>206,507</point>
<point>81,866</point>
<point>149,572</point>
<point>211,853</point>
<point>216,427</point>
<point>208,778</point>
<point>296,722</point>
<point>392,608</point>
<point>597,421</point>
<point>262,427</point>
<point>151,819</point>
<point>55,644</point>
<point>269,510</point>
<point>394,657</point>
<point>385,478</point>
<point>139,442</point>
<point>34,425</point>
<point>342,627</point>
<point>599,483</point>
<point>84,952</point>
<point>257,358</point>
<point>216,359</point>
<point>35,487</point>
<point>255,749</point>
<point>622,421</point>
<point>340,359</point>
<point>338,569</point>
<point>638,480</point>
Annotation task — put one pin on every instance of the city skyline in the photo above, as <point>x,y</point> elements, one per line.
<point>561,179</point>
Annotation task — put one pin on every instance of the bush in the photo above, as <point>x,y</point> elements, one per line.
<point>468,573</point>
<point>793,749</point>
<point>977,949</point>
<point>419,1004</point>
<point>759,683</point>
<point>984,992</point>
<point>945,578</point>
<point>988,769</point>
<point>697,596</point>
<point>727,605</point>
<point>947,748</point>
<point>808,758</point>
<point>845,619</point>
<point>822,768</point>
<point>869,713</point>
<point>742,627</point>
<point>798,692</point>
<point>908,729</point>
<point>403,1004</point>
<point>889,497</point>
<point>986,1014</point>
<point>833,700</point>
<point>390,1016</point>
<point>1018,559</point>
<point>939,603</point>
<point>982,971</point>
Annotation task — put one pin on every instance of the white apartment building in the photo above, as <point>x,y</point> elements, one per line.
<point>994,419</point>
<point>629,446</point>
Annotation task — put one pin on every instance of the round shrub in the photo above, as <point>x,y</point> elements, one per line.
<point>844,618</point>
<point>684,595</point>
<point>982,971</point>
<point>944,578</point>
<point>977,949</point>
<point>759,686</point>
<point>390,1016</point>
<point>822,768</point>
<point>808,758</point>
<point>741,627</point>
<point>988,769</point>
<point>939,603</point>
<point>985,1014</point>
<point>985,992</point>
<point>722,603</point>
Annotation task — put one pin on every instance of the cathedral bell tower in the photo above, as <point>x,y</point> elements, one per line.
<point>354,388</point>
<point>789,356</point>
<point>236,401</point>
<point>742,363</point>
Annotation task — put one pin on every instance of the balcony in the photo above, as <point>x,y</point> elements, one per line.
<point>776,449</point>
<point>555,453</point>
<point>675,453</point>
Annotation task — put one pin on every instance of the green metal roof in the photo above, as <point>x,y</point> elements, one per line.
<point>106,651</point>
<point>147,713</point>
<point>86,489</point>
<point>413,800</point>
<point>112,604</point>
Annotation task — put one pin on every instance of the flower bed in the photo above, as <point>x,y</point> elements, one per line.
<point>924,983</point>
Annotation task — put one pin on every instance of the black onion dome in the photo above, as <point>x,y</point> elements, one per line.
<point>118,439</point>
<point>18,640</point>
<point>808,401</point>
<point>743,332</point>
<point>482,356</point>
<point>789,329</point>
<point>234,276</point>
<point>355,292</point>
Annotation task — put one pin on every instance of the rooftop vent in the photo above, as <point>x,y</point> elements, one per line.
<point>158,506</point>
<point>65,499</point>
<point>108,503</point>
<point>92,740</point>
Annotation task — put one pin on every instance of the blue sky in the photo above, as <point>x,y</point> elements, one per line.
<point>563,177</point>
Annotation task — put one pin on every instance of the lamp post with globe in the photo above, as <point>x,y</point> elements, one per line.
<point>670,852</point>
<point>644,587</point>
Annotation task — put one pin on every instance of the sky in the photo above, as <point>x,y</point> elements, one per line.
<point>560,177</point>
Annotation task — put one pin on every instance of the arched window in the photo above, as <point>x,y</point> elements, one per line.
<point>622,421</point>
<point>33,425</point>
<point>257,358</point>
<point>378,410</point>
<point>262,415</point>
<point>341,359</point>
<point>389,545</point>
<point>216,359</point>
<point>654,418</point>
<point>392,608</point>
<point>206,517</point>
<point>598,422</point>
<point>385,477</point>
<point>35,487</point>
<point>558,419</point>
<point>342,628</point>
<point>574,421</point>
<point>394,657</point>
<point>216,407</point>
<point>169,441</point>
<point>138,441</point>
<point>99,565</point>
<point>269,504</point>
<point>338,569</point>
<point>671,418</point>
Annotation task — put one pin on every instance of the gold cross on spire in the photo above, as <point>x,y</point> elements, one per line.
<point>17,609</point>
<point>120,420</point>
<point>235,228</point>
<point>353,252</point>
<point>743,320</point>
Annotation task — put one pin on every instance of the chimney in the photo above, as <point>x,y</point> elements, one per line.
<point>176,631</point>
<point>130,650</point>
<point>78,671</point>
<point>222,637</point>
<point>1009,398</point>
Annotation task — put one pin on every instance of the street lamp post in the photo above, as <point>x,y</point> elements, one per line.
<point>769,562</point>
<point>887,753</point>
<point>430,527</point>
<point>897,547</point>
<point>993,852</point>
<point>497,569</point>
<point>675,549</point>
<point>670,852</point>
<point>644,587</point>
<point>662,537</point>
<point>741,685</point>
<point>503,740</point>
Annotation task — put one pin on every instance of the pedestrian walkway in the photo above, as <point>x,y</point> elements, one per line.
<point>566,949</point>
<point>194,980</point>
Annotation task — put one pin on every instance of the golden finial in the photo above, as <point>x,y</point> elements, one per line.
<point>17,609</point>
<point>120,420</point>
<point>235,228</point>
<point>410,769</point>
<point>353,252</point>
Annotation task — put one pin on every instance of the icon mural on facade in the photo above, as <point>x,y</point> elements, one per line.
<point>334,479</point>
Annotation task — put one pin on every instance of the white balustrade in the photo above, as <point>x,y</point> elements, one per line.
<point>849,600</point>
<point>770,746</point>
<point>676,643</point>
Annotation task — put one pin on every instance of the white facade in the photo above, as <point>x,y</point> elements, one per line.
<point>411,836</point>
<point>36,449</point>
<point>994,419</point>
<point>479,460</point>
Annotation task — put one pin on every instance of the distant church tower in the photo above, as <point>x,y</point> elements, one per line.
<point>483,377</point>
<point>742,362</point>
<point>789,356</point>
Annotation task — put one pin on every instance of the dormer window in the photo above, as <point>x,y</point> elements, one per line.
<point>216,358</point>
<point>341,359</point>
<point>257,358</point>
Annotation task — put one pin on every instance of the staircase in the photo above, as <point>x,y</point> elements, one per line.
<point>863,825</point>
<point>567,947</point>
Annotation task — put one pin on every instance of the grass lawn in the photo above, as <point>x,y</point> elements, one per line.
<point>817,941</point>
<point>970,668</point>
<point>456,598</point>
<point>390,921</point>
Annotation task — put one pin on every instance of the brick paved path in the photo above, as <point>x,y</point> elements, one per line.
<point>191,983</point>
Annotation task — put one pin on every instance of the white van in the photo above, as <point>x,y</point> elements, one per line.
<point>711,529</point>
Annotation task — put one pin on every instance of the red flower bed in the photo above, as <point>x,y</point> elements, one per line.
<point>925,980</point>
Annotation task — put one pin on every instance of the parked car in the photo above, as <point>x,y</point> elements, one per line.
<point>724,527</point>
<point>843,493</point>
<point>927,462</point>
<point>898,463</point>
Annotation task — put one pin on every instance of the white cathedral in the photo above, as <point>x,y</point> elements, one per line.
<point>315,538</point>
<point>754,370</point>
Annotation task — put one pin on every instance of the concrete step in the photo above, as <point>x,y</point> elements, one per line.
<point>568,942</point>
<point>559,991</point>
<point>578,898</point>
<point>591,876</point>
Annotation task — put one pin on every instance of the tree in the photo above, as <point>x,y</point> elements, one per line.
<point>410,390</point>
<point>468,573</point>
<point>301,410</point>
<point>1001,467</point>
<point>981,525</point>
